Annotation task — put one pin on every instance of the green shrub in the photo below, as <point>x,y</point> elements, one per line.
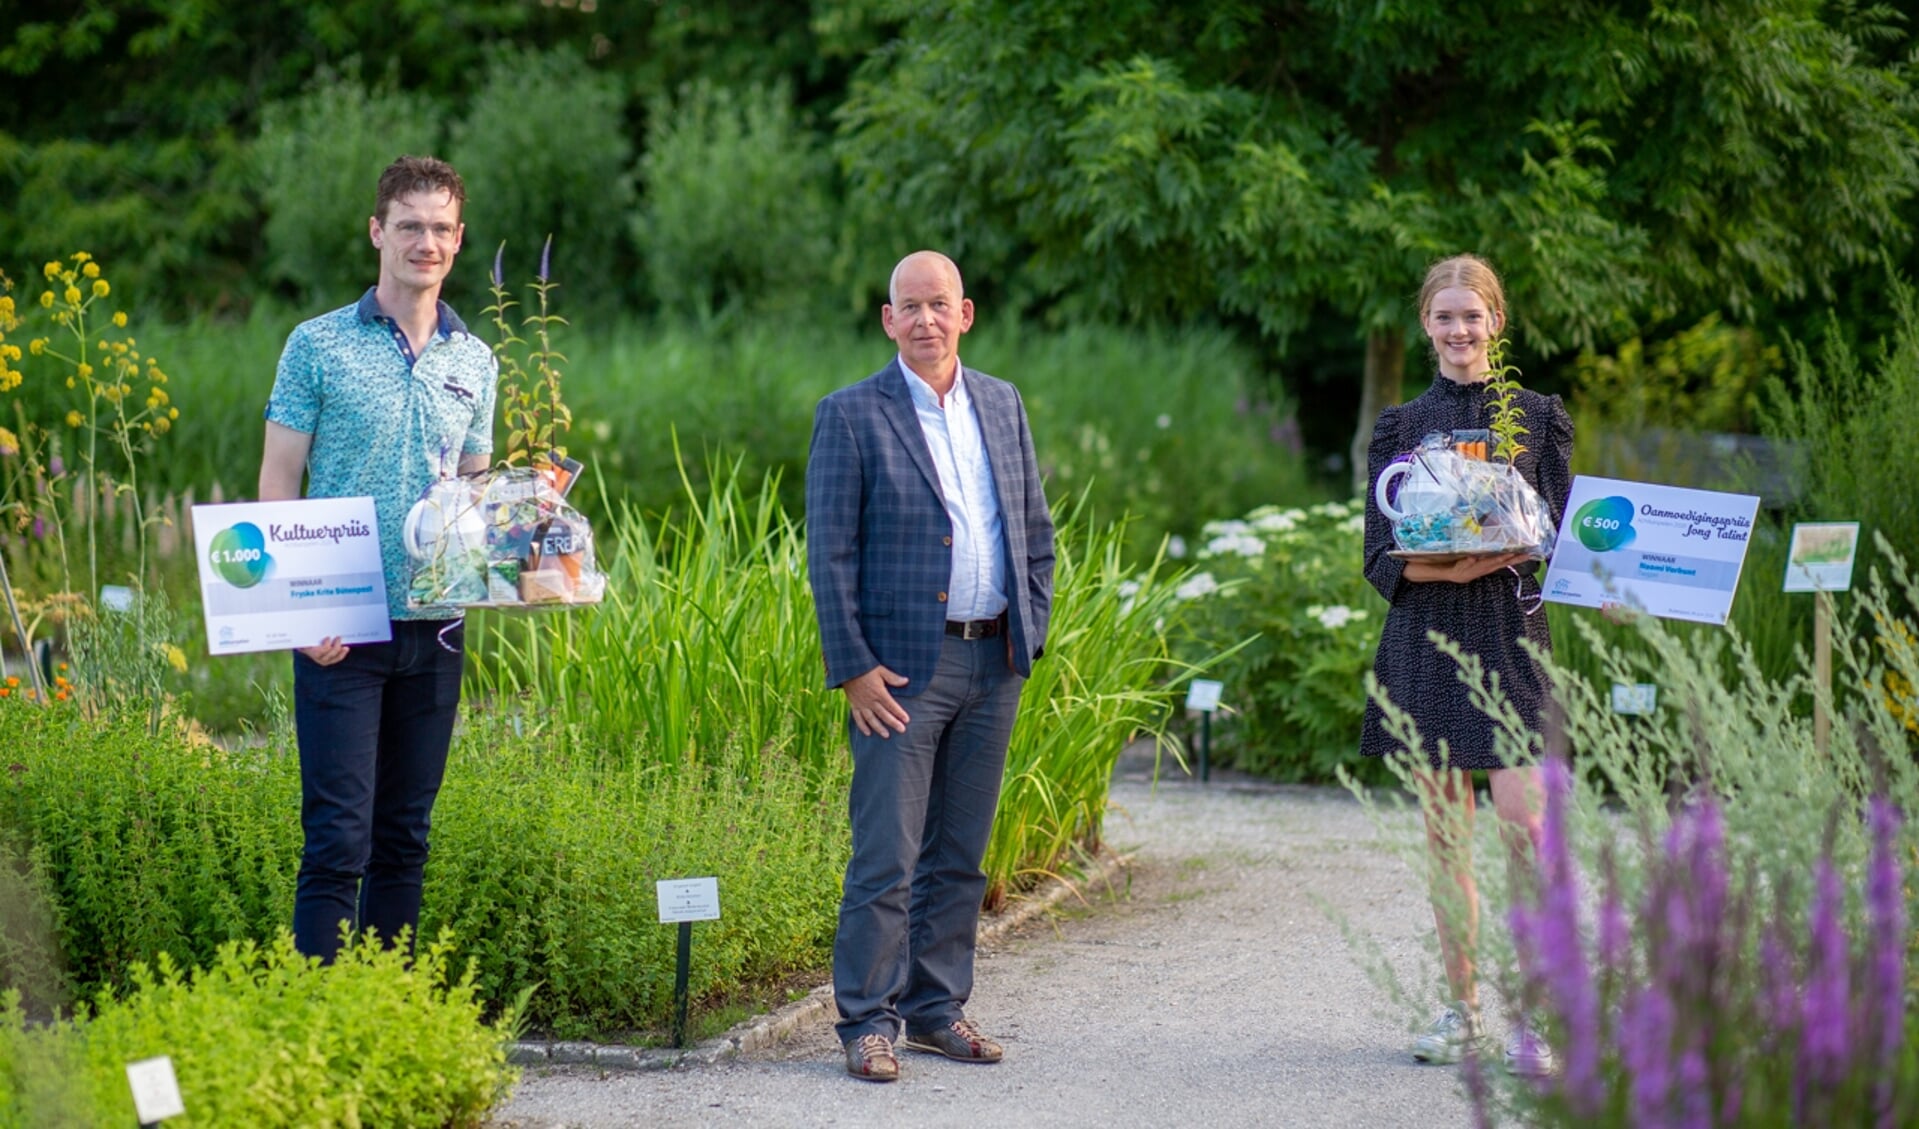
<point>152,842</point>
<point>544,151</point>
<point>545,859</point>
<point>1707,377</point>
<point>172,214</point>
<point>1853,423</point>
<point>263,1037</point>
<point>737,212</point>
<point>1289,581</point>
<point>319,158</point>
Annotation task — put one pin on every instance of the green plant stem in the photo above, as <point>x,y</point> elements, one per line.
<point>20,632</point>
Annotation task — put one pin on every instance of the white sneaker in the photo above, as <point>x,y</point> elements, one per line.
<point>1446,1041</point>
<point>1527,1055</point>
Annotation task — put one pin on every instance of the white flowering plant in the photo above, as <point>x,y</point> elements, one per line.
<point>1292,576</point>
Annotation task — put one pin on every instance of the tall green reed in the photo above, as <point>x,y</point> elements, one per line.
<point>1108,676</point>
<point>707,643</point>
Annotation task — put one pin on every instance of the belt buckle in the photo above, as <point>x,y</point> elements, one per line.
<point>976,628</point>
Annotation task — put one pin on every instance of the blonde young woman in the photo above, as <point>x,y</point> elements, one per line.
<point>1487,605</point>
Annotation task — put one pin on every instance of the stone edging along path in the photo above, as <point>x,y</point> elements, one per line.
<point>765,1030</point>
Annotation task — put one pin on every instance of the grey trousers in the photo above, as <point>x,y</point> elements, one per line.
<point>922,808</point>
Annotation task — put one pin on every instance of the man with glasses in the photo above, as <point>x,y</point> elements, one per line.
<point>380,398</point>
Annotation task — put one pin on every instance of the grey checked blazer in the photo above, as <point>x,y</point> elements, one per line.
<point>879,543</point>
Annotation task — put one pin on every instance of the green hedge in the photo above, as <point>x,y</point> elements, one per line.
<point>262,1037</point>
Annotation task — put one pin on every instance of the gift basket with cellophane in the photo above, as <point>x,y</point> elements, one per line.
<point>503,538</point>
<point>1441,499</point>
<point>506,537</point>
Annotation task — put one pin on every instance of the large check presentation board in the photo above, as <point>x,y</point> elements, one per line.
<point>1672,552</point>
<point>280,575</point>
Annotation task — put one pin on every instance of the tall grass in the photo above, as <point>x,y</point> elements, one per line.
<point>706,653</point>
<point>706,643</point>
<point>1108,675</point>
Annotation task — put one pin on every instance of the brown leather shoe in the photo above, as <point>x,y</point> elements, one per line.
<point>870,1058</point>
<point>960,1041</point>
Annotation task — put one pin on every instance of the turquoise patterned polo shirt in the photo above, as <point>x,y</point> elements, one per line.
<point>384,422</point>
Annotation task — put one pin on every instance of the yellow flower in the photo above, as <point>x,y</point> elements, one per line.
<point>91,270</point>
<point>37,346</point>
<point>80,256</point>
<point>120,318</point>
<point>51,270</point>
<point>159,395</point>
<point>160,426</point>
<point>6,308</point>
<point>100,288</point>
<point>84,369</point>
<point>173,413</point>
<point>72,295</point>
<point>73,419</point>
<point>176,658</point>
<point>12,352</point>
<point>103,344</point>
<point>46,299</point>
<point>9,443</point>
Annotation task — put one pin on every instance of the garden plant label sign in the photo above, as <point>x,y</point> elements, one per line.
<point>279,575</point>
<point>156,1093</point>
<point>1202,694</point>
<point>1668,551</point>
<point>688,899</point>
<point>1821,555</point>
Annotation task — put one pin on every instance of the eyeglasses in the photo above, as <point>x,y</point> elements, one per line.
<point>414,231</point>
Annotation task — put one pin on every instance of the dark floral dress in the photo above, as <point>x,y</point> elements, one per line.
<point>1486,617</point>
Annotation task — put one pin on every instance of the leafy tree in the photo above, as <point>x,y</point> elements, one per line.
<point>544,151</point>
<point>737,209</point>
<point>1613,159</point>
<point>319,157</point>
<point>131,121</point>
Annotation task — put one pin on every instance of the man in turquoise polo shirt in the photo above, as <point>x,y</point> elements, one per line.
<point>380,398</point>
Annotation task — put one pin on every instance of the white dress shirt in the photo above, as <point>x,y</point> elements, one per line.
<point>978,586</point>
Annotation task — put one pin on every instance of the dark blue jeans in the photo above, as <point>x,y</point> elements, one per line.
<point>374,730</point>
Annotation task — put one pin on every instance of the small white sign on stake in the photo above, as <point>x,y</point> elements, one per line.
<point>156,1094</point>
<point>1634,698</point>
<point>689,899</point>
<point>1821,555</point>
<point>1202,694</point>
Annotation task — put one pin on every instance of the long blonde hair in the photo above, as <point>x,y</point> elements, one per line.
<point>1473,273</point>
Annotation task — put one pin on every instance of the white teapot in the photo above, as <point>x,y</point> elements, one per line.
<point>1420,495</point>
<point>446,520</point>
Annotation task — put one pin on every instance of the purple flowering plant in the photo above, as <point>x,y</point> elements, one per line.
<point>1715,926</point>
<point>1690,1007</point>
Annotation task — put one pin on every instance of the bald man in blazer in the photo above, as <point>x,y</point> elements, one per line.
<point>931,556</point>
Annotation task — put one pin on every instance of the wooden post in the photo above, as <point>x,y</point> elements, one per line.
<point>1821,670</point>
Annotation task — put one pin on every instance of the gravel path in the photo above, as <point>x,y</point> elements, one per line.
<point>1205,986</point>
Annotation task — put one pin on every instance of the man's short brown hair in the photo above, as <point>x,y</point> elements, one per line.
<point>418,174</point>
